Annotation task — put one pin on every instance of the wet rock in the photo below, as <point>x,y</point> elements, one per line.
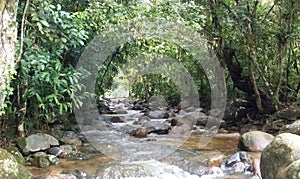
<point>128,129</point>
<point>116,119</point>
<point>281,158</point>
<point>141,120</point>
<point>156,127</point>
<point>293,128</point>
<point>53,160</point>
<point>194,162</point>
<point>10,168</point>
<point>216,161</point>
<point>142,169</point>
<point>240,162</point>
<point>140,132</point>
<point>103,107</point>
<point>182,126</point>
<point>70,138</point>
<point>72,152</point>
<point>158,114</point>
<point>67,175</point>
<point>67,150</point>
<point>40,159</point>
<point>255,141</point>
<point>88,149</point>
<point>56,151</point>
<point>37,142</point>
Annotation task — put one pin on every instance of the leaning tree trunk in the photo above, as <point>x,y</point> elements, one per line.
<point>8,37</point>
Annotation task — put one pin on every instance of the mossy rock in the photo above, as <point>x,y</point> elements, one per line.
<point>10,168</point>
<point>41,161</point>
<point>17,154</point>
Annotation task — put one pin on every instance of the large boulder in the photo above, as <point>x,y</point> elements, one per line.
<point>281,158</point>
<point>10,168</point>
<point>255,141</point>
<point>37,142</point>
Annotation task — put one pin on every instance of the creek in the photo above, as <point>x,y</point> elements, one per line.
<point>154,156</point>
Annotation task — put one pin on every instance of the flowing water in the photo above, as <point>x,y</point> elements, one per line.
<point>157,156</point>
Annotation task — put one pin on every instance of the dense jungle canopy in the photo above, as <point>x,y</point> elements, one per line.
<point>257,43</point>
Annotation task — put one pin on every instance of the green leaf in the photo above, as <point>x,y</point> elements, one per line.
<point>45,23</point>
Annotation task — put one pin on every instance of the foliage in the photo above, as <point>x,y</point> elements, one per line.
<point>257,43</point>
<point>46,78</point>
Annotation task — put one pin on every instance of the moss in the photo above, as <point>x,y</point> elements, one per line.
<point>9,167</point>
<point>17,154</point>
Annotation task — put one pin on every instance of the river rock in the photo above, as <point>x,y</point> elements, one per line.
<point>142,169</point>
<point>182,126</point>
<point>70,138</point>
<point>56,151</point>
<point>255,141</point>
<point>293,128</point>
<point>158,114</point>
<point>156,127</point>
<point>194,162</point>
<point>10,168</point>
<point>141,120</point>
<point>240,162</point>
<point>280,159</point>
<point>40,161</point>
<point>116,119</point>
<point>66,175</point>
<point>72,152</point>
<point>67,150</point>
<point>140,132</point>
<point>37,142</point>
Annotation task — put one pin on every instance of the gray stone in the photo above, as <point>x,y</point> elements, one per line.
<point>67,150</point>
<point>71,138</point>
<point>141,120</point>
<point>156,127</point>
<point>55,151</point>
<point>37,142</point>
<point>255,141</point>
<point>157,114</point>
<point>280,159</point>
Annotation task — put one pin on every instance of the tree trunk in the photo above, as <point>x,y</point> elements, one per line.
<point>8,37</point>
